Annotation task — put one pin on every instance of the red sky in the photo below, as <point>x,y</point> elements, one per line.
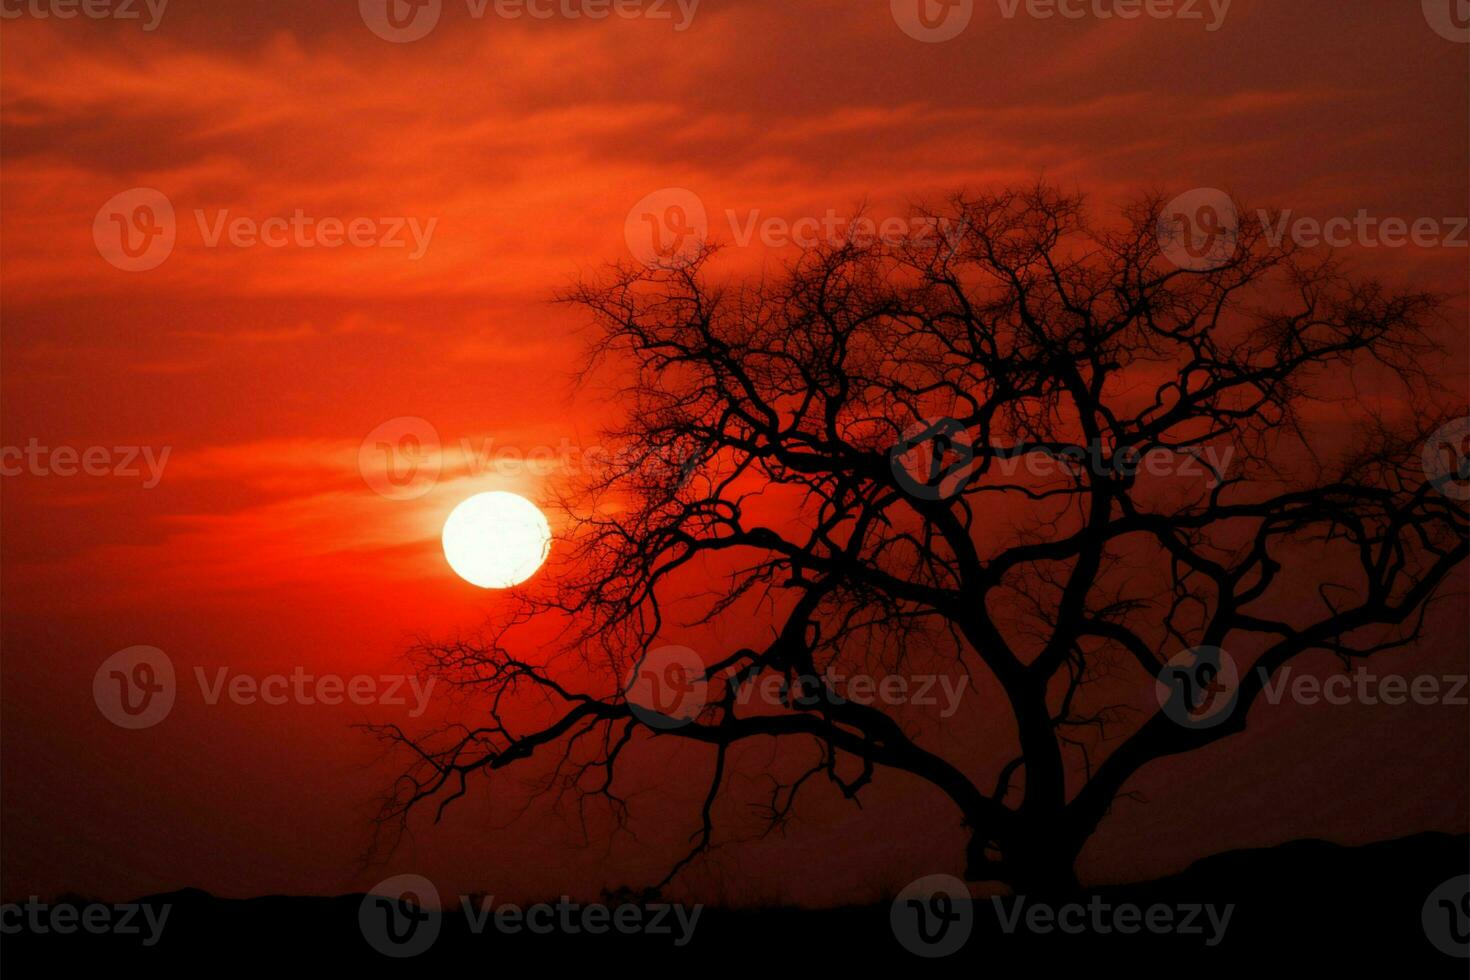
<point>527,142</point>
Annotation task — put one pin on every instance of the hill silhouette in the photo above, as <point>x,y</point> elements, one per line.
<point>1304,904</point>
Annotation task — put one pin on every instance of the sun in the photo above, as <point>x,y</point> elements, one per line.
<point>496,540</point>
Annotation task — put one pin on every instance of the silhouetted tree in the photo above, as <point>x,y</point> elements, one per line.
<point>958,445</point>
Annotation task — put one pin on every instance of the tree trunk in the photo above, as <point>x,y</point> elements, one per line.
<point>1042,868</point>
<point>1046,878</point>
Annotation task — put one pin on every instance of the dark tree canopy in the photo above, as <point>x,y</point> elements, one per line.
<point>941,446</point>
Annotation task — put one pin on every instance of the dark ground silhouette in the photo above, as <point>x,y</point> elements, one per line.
<point>1305,905</point>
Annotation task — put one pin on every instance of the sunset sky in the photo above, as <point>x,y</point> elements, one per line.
<point>516,148</point>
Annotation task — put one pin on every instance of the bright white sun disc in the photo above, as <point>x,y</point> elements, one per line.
<point>496,540</point>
